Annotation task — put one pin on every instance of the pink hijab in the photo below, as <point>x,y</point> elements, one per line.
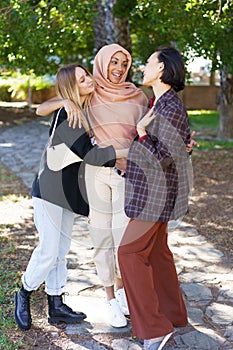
<point>115,108</point>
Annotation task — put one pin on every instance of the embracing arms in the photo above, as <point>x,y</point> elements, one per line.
<point>48,107</point>
<point>80,143</point>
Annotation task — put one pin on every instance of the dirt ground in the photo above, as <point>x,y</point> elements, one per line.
<point>211,212</point>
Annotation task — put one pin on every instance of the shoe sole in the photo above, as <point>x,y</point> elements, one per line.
<point>23,328</point>
<point>164,341</point>
<point>69,320</point>
<point>119,326</point>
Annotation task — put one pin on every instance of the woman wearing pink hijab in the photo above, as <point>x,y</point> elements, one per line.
<point>114,111</point>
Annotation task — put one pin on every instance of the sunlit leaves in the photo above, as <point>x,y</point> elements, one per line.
<point>205,26</point>
<point>38,35</point>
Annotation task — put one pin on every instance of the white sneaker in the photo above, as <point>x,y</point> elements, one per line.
<point>122,300</point>
<point>115,315</point>
<point>156,343</point>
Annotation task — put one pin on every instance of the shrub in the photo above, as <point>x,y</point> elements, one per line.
<point>5,93</point>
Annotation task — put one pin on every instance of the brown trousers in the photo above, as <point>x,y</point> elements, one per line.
<point>150,280</point>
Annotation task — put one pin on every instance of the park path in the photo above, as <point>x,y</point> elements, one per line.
<point>206,279</point>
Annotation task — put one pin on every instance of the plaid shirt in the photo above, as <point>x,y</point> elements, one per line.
<point>156,175</point>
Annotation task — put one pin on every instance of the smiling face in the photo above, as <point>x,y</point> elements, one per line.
<point>84,81</point>
<point>117,67</point>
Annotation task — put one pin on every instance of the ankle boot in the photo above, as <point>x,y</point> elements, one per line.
<point>22,309</point>
<point>60,312</point>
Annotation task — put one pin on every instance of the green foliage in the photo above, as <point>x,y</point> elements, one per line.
<point>200,28</point>
<point>122,8</point>
<point>211,32</point>
<point>156,23</point>
<point>5,93</point>
<point>15,85</point>
<point>39,35</point>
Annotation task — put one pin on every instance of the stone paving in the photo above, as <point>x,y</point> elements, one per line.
<point>205,276</point>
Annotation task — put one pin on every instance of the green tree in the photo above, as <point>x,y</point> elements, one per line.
<point>211,36</point>
<point>196,27</point>
<point>111,23</point>
<point>38,35</point>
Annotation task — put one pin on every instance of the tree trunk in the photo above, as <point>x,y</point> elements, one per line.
<point>99,26</point>
<point>29,94</point>
<point>212,78</point>
<point>122,33</point>
<point>213,71</point>
<point>226,122</point>
<point>108,29</point>
<point>226,105</point>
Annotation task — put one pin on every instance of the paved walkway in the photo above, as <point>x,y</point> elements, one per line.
<point>206,281</point>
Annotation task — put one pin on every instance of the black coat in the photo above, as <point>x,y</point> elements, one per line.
<point>66,187</point>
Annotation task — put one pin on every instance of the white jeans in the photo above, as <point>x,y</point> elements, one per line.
<point>48,263</point>
<point>105,191</point>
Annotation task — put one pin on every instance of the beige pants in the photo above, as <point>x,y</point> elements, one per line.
<point>105,191</point>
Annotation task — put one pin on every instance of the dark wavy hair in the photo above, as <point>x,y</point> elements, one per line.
<point>174,70</point>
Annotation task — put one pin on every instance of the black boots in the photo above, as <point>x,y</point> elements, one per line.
<point>59,312</point>
<point>22,309</point>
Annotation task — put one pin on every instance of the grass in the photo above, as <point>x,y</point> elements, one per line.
<point>203,119</point>
<point>8,277</point>
<point>11,190</point>
<point>206,124</point>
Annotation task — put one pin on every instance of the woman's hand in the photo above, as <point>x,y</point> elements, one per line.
<point>121,158</point>
<point>73,114</point>
<point>121,164</point>
<point>192,143</point>
<point>144,122</point>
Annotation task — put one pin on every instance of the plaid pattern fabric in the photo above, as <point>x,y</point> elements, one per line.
<point>156,175</point>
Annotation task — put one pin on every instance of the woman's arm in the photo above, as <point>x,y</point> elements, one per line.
<point>79,142</point>
<point>48,107</point>
<point>144,122</point>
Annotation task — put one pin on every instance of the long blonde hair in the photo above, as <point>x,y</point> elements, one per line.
<point>67,88</point>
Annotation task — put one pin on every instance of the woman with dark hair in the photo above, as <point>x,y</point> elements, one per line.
<point>156,192</point>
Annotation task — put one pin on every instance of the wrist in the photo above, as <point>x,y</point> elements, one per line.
<point>141,132</point>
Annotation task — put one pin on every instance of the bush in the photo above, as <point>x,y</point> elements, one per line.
<point>14,86</point>
<point>5,93</point>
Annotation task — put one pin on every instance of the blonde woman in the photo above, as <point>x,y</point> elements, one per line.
<point>57,196</point>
